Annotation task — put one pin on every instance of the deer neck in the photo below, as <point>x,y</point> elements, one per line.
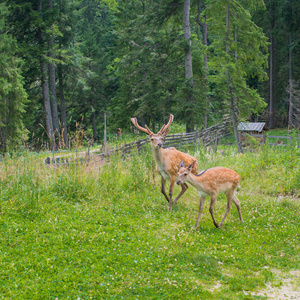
<point>158,156</point>
<point>161,163</point>
<point>194,180</point>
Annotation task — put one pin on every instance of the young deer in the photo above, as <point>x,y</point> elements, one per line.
<point>211,182</point>
<point>167,160</point>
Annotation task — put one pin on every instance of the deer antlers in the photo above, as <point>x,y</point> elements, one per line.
<point>147,130</point>
<point>135,123</point>
<point>165,127</point>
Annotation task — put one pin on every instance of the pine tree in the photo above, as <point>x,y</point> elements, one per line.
<point>236,56</point>
<point>12,94</point>
<point>280,21</point>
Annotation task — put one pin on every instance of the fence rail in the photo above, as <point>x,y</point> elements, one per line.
<point>281,143</point>
<point>207,136</point>
<point>279,140</point>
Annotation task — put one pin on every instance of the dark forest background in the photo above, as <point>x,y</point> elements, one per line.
<point>65,63</point>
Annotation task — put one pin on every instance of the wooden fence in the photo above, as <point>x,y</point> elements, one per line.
<point>274,140</point>
<point>280,140</point>
<point>207,137</point>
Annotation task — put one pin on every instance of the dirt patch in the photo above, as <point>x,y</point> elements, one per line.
<point>286,286</point>
<point>215,287</point>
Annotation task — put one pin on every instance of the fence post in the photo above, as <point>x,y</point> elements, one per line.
<point>124,152</point>
<point>216,141</point>
<point>181,138</point>
<point>87,160</point>
<point>105,138</point>
<point>196,141</point>
<point>138,145</point>
<point>106,153</point>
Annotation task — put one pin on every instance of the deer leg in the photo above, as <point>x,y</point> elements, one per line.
<point>229,199</point>
<point>172,181</point>
<point>163,184</point>
<point>201,205</point>
<point>184,187</point>
<point>211,209</point>
<point>236,201</point>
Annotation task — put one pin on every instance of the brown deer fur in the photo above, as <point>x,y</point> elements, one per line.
<point>211,182</point>
<point>167,160</point>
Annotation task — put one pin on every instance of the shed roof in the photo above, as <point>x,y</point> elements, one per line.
<point>259,127</point>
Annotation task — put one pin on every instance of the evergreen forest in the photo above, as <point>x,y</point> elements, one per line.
<point>68,64</point>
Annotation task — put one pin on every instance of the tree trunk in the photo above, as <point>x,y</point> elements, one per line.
<point>204,27</point>
<point>290,83</point>
<point>234,123</point>
<point>153,123</point>
<point>94,116</point>
<point>45,87</point>
<point>63,113</point>
<point>53,98</point>
<point>188,64</point>
<point>187,36</point>
<point>94,121</point>
<point>231,97</point>
<point>3,129</point>
<point>143,121</point>
<point>104,138</point>
<point>271,110</point>
<point>47,106</point>
<point>205,68</point>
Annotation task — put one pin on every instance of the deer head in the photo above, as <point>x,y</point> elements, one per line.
<point>156,139</point>
<point>184,172</point>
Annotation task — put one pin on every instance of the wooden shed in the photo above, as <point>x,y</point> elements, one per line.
<point>256,130</point>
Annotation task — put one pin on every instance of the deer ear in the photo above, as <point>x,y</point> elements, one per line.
<point>191,166</point>
<point>182,164</point>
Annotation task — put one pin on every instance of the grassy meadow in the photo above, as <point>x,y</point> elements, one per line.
<point>105,232</point>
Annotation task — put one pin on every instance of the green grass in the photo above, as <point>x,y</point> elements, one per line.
<point>284,131</point>
<point>106,233</point>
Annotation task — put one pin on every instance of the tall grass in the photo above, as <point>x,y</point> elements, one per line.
<point>105,232</point>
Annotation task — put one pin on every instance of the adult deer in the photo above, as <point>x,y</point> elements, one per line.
<point>211,182</point>
<point>167,160</point>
